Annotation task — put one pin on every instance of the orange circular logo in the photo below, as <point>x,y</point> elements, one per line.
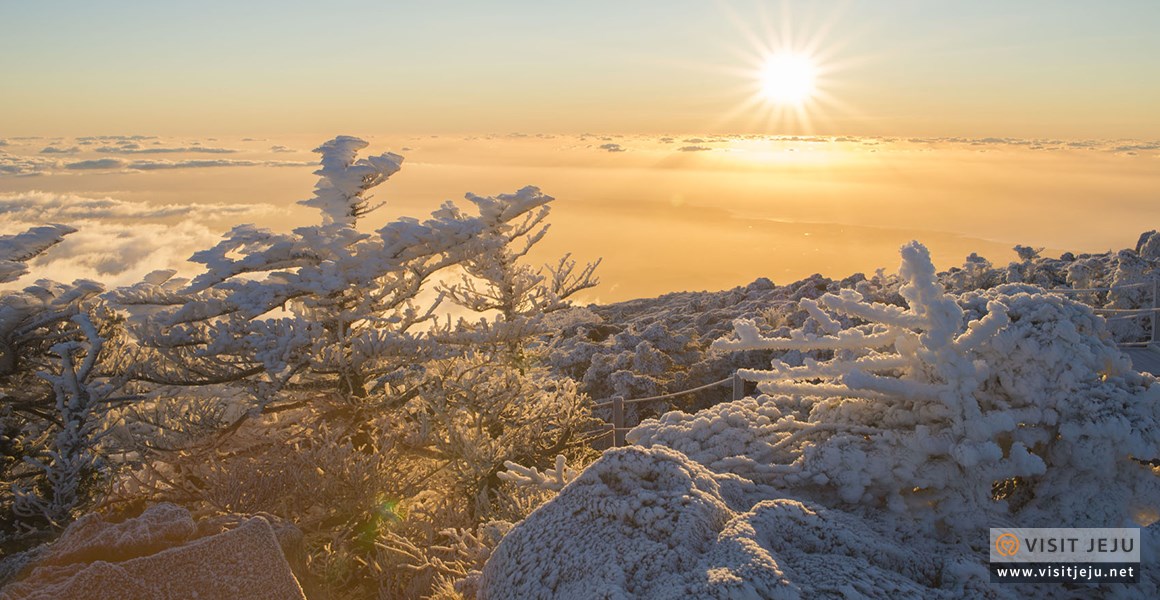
<point>1007,544</point>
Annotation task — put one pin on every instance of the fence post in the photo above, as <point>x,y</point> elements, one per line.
<point>617,421</point>
<point>738,386</point>
<point>1155,305</point>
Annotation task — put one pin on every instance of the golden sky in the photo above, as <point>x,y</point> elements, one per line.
<point>1033,68</point>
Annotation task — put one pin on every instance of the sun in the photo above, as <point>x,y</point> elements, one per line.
<point>791,73</point>
<point>788,79</point>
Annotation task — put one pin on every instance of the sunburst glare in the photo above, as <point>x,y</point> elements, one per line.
<point>789,73</point>
<point>788,79</point>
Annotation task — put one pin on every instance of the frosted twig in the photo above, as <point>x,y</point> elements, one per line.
<point>551,479</point>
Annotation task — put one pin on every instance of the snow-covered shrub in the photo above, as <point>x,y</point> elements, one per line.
<point>476,416</point>
<point>1136,269</point>
<point>930,410</point>
<point>71,464</point>
<point>977,273</point>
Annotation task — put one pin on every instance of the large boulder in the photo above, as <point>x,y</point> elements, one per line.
<point>162,555</point>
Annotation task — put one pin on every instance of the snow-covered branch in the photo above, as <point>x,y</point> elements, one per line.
<point>344,180</point>
<point>553,479</point>
<point>16,250</point>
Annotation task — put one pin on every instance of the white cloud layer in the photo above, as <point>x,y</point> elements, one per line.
<point>117,242</point>
<point>17,165</point>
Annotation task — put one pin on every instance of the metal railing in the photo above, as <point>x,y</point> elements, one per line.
<point>617,404</point>
<point>1126,313</point>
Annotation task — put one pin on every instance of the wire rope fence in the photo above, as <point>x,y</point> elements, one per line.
<point>618,403</point>
<point>1117,314</point>
<point>617,427</point>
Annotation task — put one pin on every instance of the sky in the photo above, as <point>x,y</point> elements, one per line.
<point>910,67</point>
<point>154,127</point>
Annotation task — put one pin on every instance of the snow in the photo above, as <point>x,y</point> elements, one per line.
<point>343,180</point>
<point>159,527</point>
<point>651,523</point>
<point>881,445</point>
<point>895,417</point>
<point>15,250</point>
<point>631,524</point>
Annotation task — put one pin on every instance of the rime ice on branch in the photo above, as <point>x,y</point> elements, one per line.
<point>550,479</point>
<point>343,181</point>
<point>350,295</point>
<point>15,250</point>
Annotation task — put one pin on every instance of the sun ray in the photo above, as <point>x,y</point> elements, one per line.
<point>752,103</point>
<point>789,75</point>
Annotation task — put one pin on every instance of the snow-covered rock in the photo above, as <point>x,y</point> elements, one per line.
<point>161,555</point>
<point>650,523</point>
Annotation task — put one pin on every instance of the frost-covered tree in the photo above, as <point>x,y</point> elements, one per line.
<point>497,394</point>
<point>498,283</point>
<point>322,343</point>
<point>322,305</point>
<point>56,386</point>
